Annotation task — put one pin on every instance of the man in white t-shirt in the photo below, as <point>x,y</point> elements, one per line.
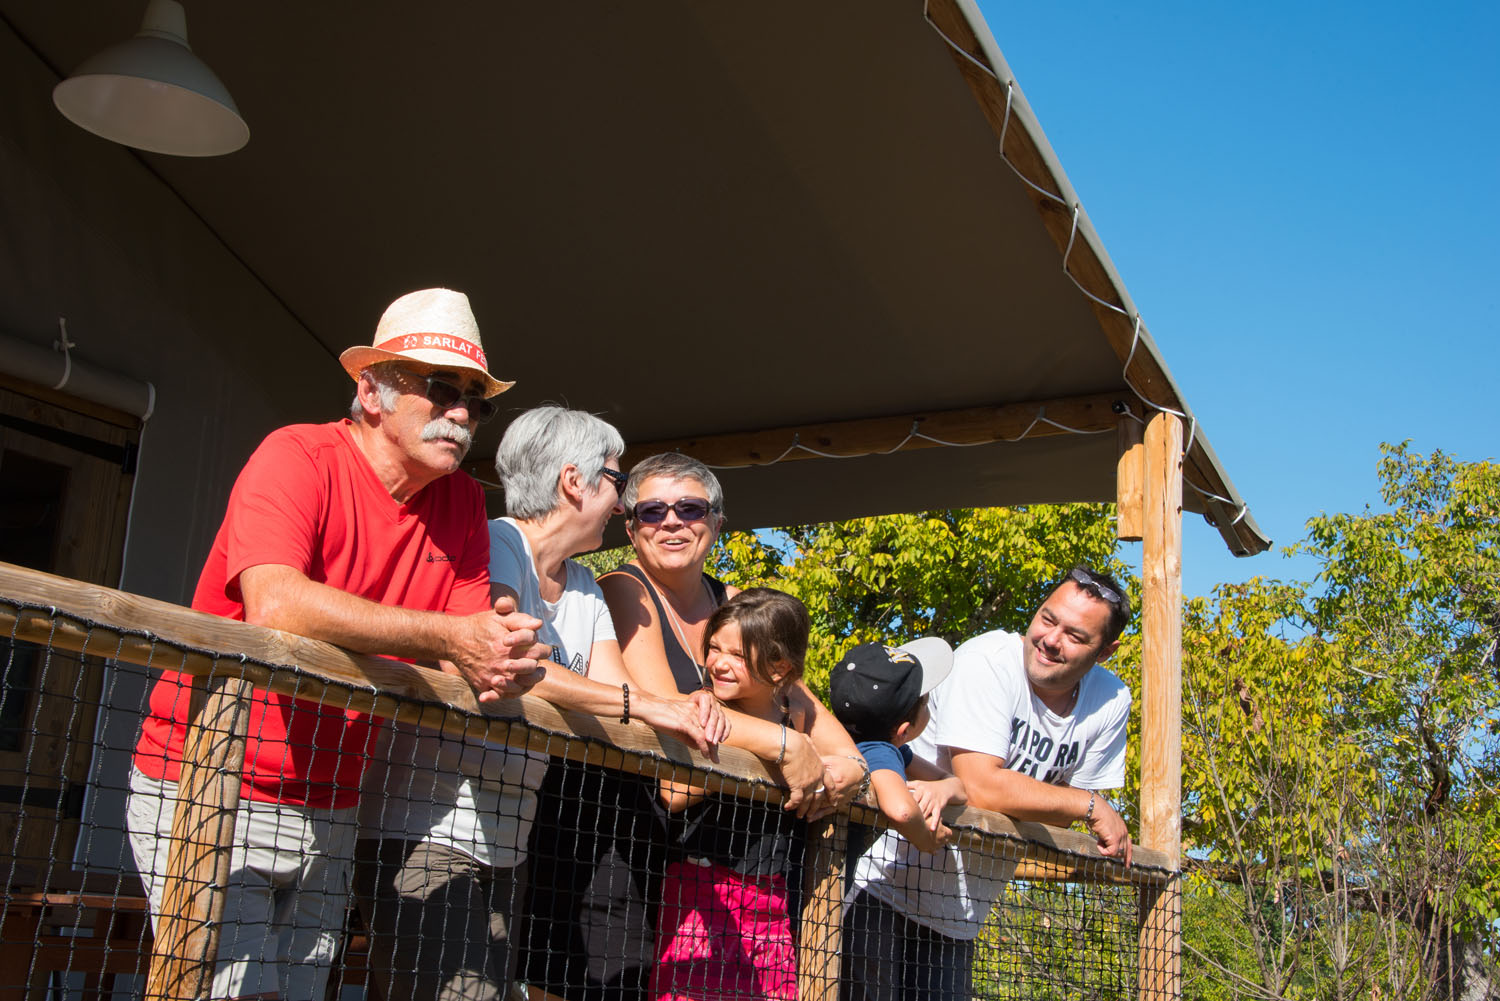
<point>1035,729</point>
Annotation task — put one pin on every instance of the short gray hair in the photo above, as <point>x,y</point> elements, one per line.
<point>536,447</point>
<point>383,375</point>
<point>673,466</point>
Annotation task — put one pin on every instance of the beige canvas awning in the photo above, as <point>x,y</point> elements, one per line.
<point>757,231</point>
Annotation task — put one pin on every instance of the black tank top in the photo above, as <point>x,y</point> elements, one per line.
<point>751,837</point>
<point>686,671</point>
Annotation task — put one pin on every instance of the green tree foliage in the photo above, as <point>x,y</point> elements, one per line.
<point>952,573</point>
<point>1340,751</point>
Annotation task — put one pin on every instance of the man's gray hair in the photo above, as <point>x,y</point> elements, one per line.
<point>673,466</point>
<point>384,375</point>
<point>536,447</point>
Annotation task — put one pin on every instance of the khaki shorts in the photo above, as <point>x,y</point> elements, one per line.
<point>287,893</point>
<point>441,922</point>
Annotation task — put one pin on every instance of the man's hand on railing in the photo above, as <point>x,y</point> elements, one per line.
<point>496,652</point>
<point>1109,828</point>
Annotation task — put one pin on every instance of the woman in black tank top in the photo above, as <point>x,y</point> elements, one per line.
<point>661,602</point>
<point>685,665</point>
<point>592,921</point>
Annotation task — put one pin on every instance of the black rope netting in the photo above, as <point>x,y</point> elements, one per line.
<point>365,855</point>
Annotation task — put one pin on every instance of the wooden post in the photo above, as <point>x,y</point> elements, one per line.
<point>187,929</point>
<point>1161,706</point>
<point>819,953</point>
<point>1130,471</point>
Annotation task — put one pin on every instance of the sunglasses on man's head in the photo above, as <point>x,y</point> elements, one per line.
<point>444,395</point>
<point>618,478</point>
<point>1101,591</point>
<point>654,512</point>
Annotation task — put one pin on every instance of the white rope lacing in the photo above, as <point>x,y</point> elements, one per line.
<point>1241,509</point>
<point>66,347</point>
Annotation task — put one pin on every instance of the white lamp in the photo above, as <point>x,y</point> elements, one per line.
<point>152,93</point>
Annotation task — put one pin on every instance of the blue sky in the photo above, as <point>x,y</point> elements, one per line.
<point>1301,199</point>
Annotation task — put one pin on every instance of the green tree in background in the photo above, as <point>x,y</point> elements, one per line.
<point>1340,754</point>
<point>953,574</point>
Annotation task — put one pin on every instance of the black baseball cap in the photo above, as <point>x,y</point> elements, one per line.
<point>873,687</point>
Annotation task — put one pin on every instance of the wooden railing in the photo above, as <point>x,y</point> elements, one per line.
<point>230,659</point>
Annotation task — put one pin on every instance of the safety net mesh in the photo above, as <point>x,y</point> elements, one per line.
<point>345,837</point>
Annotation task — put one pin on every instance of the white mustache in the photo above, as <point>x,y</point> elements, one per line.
<point>443,428</point>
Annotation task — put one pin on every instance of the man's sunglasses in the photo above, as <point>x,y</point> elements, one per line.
<point>1101,591</point>
<point>654,512</point>
<point>445,395</point>
<point>616,477</point>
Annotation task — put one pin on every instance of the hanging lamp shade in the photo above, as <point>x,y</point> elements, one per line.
<point>152,93</point>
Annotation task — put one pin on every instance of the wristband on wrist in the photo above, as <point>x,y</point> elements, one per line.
<point>625,693</point>
<point>781,757</point>
<point>864,767</point>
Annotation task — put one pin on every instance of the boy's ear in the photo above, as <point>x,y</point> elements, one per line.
<point>898,737</point>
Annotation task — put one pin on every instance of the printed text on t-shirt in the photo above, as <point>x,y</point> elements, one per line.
<point>1032,751</point>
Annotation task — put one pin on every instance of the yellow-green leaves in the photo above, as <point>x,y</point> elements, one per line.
<point>952,573</point>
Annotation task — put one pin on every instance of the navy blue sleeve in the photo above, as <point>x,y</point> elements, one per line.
<point>883,754</point>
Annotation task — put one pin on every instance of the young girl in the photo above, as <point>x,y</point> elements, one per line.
<point>724,929</point>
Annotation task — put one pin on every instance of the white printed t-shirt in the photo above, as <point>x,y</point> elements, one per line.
<point>987,705</point>
<point>478,797</point>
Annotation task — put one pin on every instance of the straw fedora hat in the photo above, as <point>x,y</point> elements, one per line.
<point>432,329</point>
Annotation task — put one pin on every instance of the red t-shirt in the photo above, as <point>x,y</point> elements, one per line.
<point>308,499</point>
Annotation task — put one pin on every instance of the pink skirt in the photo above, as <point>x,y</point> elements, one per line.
<point>721,935</point>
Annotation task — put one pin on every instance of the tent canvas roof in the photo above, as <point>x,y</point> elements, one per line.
<point>723,226</point>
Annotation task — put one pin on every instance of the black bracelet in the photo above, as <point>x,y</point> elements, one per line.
<point>625,691</point>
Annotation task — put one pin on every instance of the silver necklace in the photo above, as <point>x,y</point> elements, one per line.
<point>678,626</point>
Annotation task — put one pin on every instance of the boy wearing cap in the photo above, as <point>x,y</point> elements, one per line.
<point>879,694</point>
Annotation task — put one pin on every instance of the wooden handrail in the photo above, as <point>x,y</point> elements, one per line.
<point>102,622</point>
<point>228,660</point>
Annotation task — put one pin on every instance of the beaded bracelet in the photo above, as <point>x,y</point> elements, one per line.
<point>1089,813</point>
<point>625,691</point>
<point>864,766</point>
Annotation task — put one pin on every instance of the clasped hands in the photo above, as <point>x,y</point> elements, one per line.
<point>497,651</point>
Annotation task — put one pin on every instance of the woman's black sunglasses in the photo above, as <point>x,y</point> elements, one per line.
<point>616,477</point>
<point>654,512</point>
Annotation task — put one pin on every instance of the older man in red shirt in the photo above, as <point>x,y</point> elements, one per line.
<point>362,533</point>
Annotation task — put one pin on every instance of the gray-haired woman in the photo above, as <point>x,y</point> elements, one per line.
<point>456,816</point>
<point>662,601</point>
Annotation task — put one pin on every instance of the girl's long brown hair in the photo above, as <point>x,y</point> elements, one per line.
<point>773,632</point>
